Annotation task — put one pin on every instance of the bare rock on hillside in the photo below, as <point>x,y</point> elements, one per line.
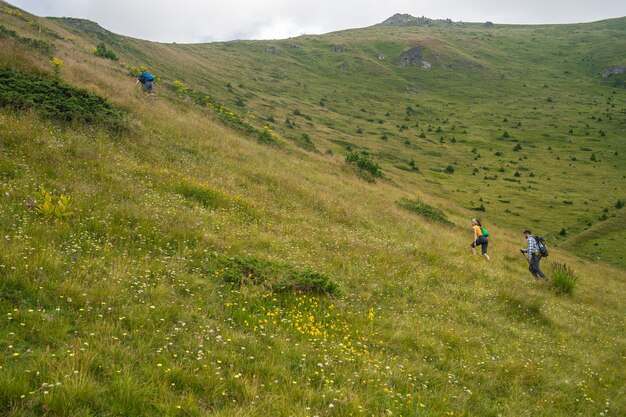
<point>399,19</point>
<point>339,48</point>
<point>84,25</point>
<point>614,70</point>
<point>414,56</point>
<point>272,50</point>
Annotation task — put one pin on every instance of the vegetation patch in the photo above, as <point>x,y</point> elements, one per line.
<point>35,44</point>
<point>56,100</point>
<point>102,51</point>
<point>263,134</point>
<point>276,277</point>
<point>563,280</point>
<point>364,162</point>
<point>424,210</point>
<point>211,198</point>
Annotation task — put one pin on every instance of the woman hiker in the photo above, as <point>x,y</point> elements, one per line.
<point>480,238</point>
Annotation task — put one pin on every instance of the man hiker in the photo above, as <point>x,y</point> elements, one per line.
<point>534,255</point>
<point>146,79</point>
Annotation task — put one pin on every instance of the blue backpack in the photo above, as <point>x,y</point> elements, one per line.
<point>147,76</point>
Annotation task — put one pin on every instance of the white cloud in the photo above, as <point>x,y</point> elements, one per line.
<point>201,20</point>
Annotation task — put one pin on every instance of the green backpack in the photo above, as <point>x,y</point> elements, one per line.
<point>485,232</point>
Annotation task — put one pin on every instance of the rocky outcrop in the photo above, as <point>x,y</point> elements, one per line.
<point>414,56</point>
<point>406,19</point>
<point>614,70</point>
<point>339,48</point>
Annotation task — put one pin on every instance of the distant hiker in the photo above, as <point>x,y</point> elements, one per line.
<point>146,79</point>
<point>480,238</point>
<point>534,252</point>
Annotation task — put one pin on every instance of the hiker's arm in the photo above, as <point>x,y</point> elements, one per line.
<point>475,235</point>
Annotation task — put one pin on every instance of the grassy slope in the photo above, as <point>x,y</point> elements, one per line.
<point>542,80</point>
<point>119,311</point>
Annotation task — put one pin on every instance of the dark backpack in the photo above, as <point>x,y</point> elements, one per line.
<point>146,76</point>
<point>541,244</point>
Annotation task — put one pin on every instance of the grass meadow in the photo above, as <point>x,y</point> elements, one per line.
<point>177,287</point>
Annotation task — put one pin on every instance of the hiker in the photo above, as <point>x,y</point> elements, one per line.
<point>534,255</point>
<point>480,238</point>
<point>146,79</point>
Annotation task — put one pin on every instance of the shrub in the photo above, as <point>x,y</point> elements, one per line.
<point>449,169</point>
<point>365,163</point>
<point>57,101</point>
<point>619,204</point>
<point>103,52</point>
<point>277,277</point>
<point>517,148</point>
<point>423,209</point>
<point>563,278</point>
<point>506,134</point>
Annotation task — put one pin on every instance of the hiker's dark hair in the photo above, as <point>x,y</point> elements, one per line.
<point>478,222</point>
<point>527,232</point>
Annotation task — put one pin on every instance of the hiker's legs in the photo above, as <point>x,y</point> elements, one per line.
<point>539,271</point>
<point>534,267</point>
<point>483,242</point>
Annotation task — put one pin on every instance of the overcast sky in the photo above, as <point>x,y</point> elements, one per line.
<point>216,20</point>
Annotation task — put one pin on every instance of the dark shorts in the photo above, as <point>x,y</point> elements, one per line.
<point>147,86</point>
<point>483,242</point>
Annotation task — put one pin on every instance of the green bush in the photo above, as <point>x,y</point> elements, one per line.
<point>277,277</point>
<point>423,209</point>
<point>103,52</point>
<point>365,163</point>
<point>56,100</point>
<point>563,279</point>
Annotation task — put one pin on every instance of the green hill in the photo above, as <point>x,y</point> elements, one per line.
<point>220,255</point>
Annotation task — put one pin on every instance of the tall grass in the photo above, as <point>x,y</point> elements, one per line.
<point>562,278</point>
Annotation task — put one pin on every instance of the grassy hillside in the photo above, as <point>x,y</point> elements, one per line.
<point>521,113</point>
<point>202,269</point>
